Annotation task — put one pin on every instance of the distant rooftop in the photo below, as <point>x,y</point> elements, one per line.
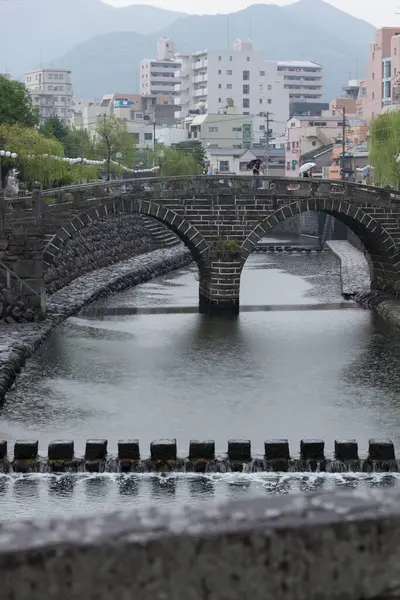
<point>298,63</point>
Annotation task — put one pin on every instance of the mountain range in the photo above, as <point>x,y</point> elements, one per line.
<point>103,45</point>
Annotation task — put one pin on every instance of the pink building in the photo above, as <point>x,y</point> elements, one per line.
<point>304,134</point>
<point>383,78</point>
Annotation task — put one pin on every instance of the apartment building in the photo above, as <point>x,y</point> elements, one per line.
<point>305,134</point>
<point>214,79</point>
<point>51,91</point>
<point>303,80</point>
<point>381,89</point>
<point>158,75</point>
<point>231,129</point>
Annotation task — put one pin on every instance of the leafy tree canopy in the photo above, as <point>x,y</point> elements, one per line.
<point>55,127</point>
<point>37,159</point>
<point>384,148</point>
<point>195,149</point>
<point>114,142</point>
<point>16,104</point>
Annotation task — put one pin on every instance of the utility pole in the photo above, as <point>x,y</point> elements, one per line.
<point>266,158</point>
<point>343,142</point>
<point>154,143</point>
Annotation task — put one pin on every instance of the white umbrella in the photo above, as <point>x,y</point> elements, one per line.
<point>307,167</point>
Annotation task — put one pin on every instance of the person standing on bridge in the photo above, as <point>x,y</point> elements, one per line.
<point>256,166</point>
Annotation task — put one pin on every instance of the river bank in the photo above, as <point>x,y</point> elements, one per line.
<point>356,282</point>
<point>18,342</point>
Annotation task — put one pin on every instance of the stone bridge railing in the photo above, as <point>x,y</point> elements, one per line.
<point>324,546</point>
<point>31,207</point>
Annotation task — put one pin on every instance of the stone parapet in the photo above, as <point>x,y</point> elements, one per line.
<point>320,546</point>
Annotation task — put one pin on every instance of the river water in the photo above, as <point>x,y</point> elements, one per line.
<point>297,363</point>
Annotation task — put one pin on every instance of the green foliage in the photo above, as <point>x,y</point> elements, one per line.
<point>55,127</point>
<point>114,142</point>
<point>174,163</point>
<point>230,247</point>
<point>195,149</point>
<point>79,143</point>
<point>16,104</point>
<point>384,148</point>
<point>37,159</point>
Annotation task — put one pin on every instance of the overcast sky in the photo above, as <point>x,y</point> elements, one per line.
<point>377,12</point>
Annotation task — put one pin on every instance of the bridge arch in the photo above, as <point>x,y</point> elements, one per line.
<point>377,241</point>
<point>184,230</point>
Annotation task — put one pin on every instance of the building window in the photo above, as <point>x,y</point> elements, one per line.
<point>373,95</point>
<point>246,102</point>
<point>288,165</point>
<point>219,86</point>
<point>213,129</point>
<point>373,75</point>
<point>224,165</point>
<point>246,89</point>
<point>261,87</point>
<point>262,127</point>
<point>269,101</point>
<point>269,88</point>
<point>246,75</point>
<point>228,86</point>
<point>219,57</point>
<point>293,167</point>
<point>148,137</point>
<point>262,73</point>
<point>50,75</point>
<point>230,58</point>
<point>261,100</point>
<point>248,59</point>
<point>395,51</point>
<point>236,129</point>
<point>229,72</point>
<point>220,72</point>
<point>314,143</point>
<point>219,100</point>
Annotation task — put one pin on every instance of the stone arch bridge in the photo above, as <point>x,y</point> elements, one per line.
<point>220,220</point>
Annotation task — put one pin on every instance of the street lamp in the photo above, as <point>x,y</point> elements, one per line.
<point>8,154</point>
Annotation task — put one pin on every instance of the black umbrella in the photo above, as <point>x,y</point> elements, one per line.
<point>252,163</point>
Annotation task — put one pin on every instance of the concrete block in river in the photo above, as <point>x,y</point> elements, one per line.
<point>346,450</point>
<point>381,450</point>
<point>61,450</point>
<point>239,450</point>
<point>163,450</point>
<point>202,450</point>
<point>312,449</point>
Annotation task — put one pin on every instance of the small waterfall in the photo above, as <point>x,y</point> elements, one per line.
<point>217,465</point>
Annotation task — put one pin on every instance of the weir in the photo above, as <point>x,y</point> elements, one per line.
<point>201,458</point>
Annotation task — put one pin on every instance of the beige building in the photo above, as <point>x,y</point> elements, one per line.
<point>303,80</point>
<point>221,130</point>
<point>235,161</point>
<point>51,91</point>
<point>158,75</point>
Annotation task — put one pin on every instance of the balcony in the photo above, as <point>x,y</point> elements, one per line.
<point>200,79</point>
<point>200,64</point>
<point>200,92</point>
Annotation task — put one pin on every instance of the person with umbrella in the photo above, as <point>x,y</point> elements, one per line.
<point>305,170</point>
<point>255,165</point>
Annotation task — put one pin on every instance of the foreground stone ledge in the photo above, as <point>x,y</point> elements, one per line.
<point>316,546</point>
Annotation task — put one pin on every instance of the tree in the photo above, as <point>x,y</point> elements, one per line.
<point>174,163</point>
<point>114,142</point>
<point>55,127</point>
<point>40,159</point>
<point>384,149</point>
<point>79,143</point>
<point>195,149</point>
<point>16,104</point>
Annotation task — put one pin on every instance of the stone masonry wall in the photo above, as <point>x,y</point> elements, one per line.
<point>102,243</point>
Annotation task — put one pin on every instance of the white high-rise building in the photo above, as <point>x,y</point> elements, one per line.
<point>157,76</point>
<point>303,79</point>
<point>51,91</point>
<point>214,79</point>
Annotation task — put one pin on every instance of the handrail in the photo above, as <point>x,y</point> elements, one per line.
<point>138,180</point>
<point>21,281</point>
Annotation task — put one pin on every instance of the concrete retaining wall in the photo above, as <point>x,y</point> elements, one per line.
<point>325,546</point>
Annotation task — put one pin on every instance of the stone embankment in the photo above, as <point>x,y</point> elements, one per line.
<point>18,341</point>
<point>356,283</point>
<point>354,268</point>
